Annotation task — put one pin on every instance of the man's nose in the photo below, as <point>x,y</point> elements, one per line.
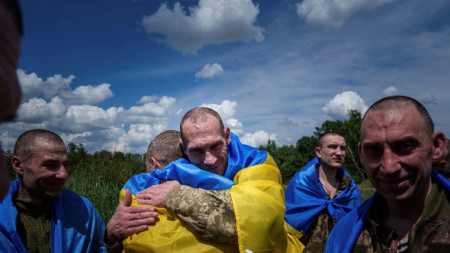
<point>389,162</point>
<point>62,173</point>
<point>210,159</point>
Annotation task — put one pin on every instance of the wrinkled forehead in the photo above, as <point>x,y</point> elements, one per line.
<point>208,125</point>
<point>398,116</point>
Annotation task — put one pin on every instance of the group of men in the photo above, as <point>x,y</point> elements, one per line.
<point>207,192</point>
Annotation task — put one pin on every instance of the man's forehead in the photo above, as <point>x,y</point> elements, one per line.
<point>405,119</point>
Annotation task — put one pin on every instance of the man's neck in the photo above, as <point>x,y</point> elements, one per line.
<point>24,194</point>
<point>402,216</point>
<point>327,173</point>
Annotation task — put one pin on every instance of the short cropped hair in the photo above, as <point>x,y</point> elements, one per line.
<point>401,101</point>
<point>165,147</point>
<point>198,115</point>
<point>25,146</point>
<point>320,139</point>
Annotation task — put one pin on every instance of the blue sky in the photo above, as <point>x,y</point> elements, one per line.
<point>113,74</point>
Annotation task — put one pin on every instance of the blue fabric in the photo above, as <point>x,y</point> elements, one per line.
<point>306,198</point>
<point>346,232</point>
<point>76,225</point>
<point>239,156</point>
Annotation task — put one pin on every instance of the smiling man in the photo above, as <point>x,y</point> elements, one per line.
<point>226,198</point>
<point>38,214</point>
<point>320,194</point>
<point>410,212</point>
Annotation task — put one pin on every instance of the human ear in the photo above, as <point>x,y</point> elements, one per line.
<point>17,163</point>
<point>317,149</point>
<point>439,142</point>
<point>226,134</point>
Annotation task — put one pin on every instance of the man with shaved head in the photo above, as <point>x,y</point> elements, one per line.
<point>227,197</point>
<point>410,211</point>
<point>38,214</point>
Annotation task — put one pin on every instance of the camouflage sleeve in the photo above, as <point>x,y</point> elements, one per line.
<point>208,214</point>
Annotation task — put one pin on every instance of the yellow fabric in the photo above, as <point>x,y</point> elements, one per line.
<point>169,234</point>
<point>258,200</point>
<point>294,232</point>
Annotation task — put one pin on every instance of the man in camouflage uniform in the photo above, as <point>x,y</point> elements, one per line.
<point>162,150</point>
<point>320,194</point>
<point>410,212</point>
<point>214,195</point>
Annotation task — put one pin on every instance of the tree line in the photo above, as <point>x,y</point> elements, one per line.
<point>100,176</point>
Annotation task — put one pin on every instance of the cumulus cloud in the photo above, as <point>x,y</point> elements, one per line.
<point>88,94</point>
<point>71,113</point>
<point>334,12</point>
<point>146,99</point>
<point>151,112</point>
<point>57,85</point>
<point>38,110</point>
<point>389,91</point>
<point>339,106</point>
<point>212,21</point>
<point>30,84</point>
<point>427,98</point>
<point>209,71</point>
<point>258,138</point>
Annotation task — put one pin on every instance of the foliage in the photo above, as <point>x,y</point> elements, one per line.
<point>290,159</point>
<point>100,176</point>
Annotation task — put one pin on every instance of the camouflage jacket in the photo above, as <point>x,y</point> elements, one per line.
<point>314,239</point>
<point>430,234</point>
<point>208,214</point>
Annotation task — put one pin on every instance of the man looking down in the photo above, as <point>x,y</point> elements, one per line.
<point>38,214</point>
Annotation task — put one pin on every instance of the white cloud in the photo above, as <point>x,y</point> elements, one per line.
<point>209,71</point>
<point>88,94</point>
<point>73,137</point>
<point>38,110</point>
<point>339,106</point>
<point>389,91</point>
<point>334,12</point>
<point>151,112</point>
<point>30,84</point>
<point>146,99</point>
<point>212,21</point>
<point>88,116</point>
<point>258,138</point>
<point>55,84</point>
<point>226,110</point>
<point>427,98</point>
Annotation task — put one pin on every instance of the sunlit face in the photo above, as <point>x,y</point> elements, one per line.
<point>332,152</point>
<point>397,152</point>
<point>206,146</point>
<point>45,173</point>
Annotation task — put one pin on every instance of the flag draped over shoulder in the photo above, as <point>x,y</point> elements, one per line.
<point>75,224</point>
<point>346,232</point>
<point>306,198</point>
<point>255,187</point>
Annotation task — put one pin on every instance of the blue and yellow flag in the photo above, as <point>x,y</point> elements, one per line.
<point>306,198</point>
<point>346,232</point>
<point>255,187</point>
